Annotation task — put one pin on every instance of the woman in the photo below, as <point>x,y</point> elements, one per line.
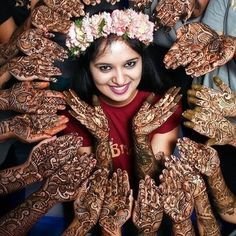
<point>117,68</point>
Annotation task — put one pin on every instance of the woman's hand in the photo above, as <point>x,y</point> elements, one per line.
<point>148,210</point>
<point>168,12</point>
<point>48,20</point>
<point>32,42</point>
<point>222,101</point>
<point>204,158</point>
<point>213,125</point>
<point>28,68</point>
<point>150,117</point>
<point>117,206</point>
<point>32,97</point>
<point>32,128</point>
<point>88,203</point>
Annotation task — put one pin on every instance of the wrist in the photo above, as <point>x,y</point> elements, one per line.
<point>4,99</point>
<point>141,233</point>
<point>106,232</point>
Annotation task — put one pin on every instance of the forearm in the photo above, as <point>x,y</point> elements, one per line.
<point>224,199</point>
<point>21,219</point>
<point>76,229</point>
<point>109,233</point>
<point>207,224</point>
<point>145,159</point>
<point>184,228</point>
<point>6,131</point>
<point>147,234</point>
<point>16,178</point>
<point>103,154</point>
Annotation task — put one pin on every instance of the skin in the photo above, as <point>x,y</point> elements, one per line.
<point>117,206</point>
<point>221,100</point>
<point>116,73</point>
<point>205,159</point>
<point>27,97</point>
<point>148,209</point>
<point>88,204</point>
<point>44,160</point>
<point>119,66</point>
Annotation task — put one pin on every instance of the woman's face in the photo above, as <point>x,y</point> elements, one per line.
<point>116,72</point>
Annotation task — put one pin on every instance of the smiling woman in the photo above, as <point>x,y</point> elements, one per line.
<point>130,123</point>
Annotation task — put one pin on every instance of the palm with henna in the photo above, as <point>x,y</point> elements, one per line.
<point>32,97</point>
<point>151,116</point>
<point>148,210</point>
<point>44,160</point>
<point>206,160</point>
<point>94,119</point>
<point>200,49</point>
<point>222,100</point>
<point>168,12</point>
<point>211,124</point>
<point>88,203</point>
<point>32,128</point>
<point>117,206</point>
<point>62,186</point>
<point>178,201</point>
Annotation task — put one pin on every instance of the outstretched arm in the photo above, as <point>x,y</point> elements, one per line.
<point>60,187</point>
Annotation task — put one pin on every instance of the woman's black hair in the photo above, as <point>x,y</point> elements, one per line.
<point>83,83</point>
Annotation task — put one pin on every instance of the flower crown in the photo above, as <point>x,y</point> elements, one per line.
<point>125,23</point>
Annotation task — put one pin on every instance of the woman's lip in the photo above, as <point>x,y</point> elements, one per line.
<point>119,90</point>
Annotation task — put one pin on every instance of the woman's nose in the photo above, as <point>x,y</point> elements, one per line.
<point>119,77</point>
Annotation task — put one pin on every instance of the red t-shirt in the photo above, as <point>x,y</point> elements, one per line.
<point>120,122</point>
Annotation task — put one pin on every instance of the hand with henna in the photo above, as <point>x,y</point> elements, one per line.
<point>150,117</point>
<point>117,205</point>
<point>140,4</point>
<point>44,160</point>
<point>28,68</point>
<point>49,20</point>
<point>213,125</point>
<point>32,128</point>
<point>168,12</point>
<point>60,187</point>
<point>32,97</point>
<point>94,119</point>
<point>213,55</point>
<point>222,101</point>
<point>203,158</point>
<point>148,209</point>
<point>88,203</point>
<point>69,8</point>
<point>32,42</point>
<point>192,38</point>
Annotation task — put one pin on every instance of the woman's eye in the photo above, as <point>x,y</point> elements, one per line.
<point>104,68</point>
<point>130,64</point>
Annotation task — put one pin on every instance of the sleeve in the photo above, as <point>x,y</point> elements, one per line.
<point>74,126</point>
<point>172,122</point>
<point>215,14</point>
<point>5,11</point>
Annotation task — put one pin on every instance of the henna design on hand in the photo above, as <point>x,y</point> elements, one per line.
<point>33,128</point>
<point>33,42</point>
<point>31,97</point>
<point>140,4</point>
<point>168,12</point>
<point>148,210</point>
<point>94,119</point>
<point>222,101</point>
<point>213,125</point>
<point>47,19</point>
<point>117,206</point>
<point>204,158</point>
<point>44,160</point>
<point>69,8</point>
<point>149,118</point>
<point>191,40</point>
<point>88,203</point>
<point>28,68</point>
